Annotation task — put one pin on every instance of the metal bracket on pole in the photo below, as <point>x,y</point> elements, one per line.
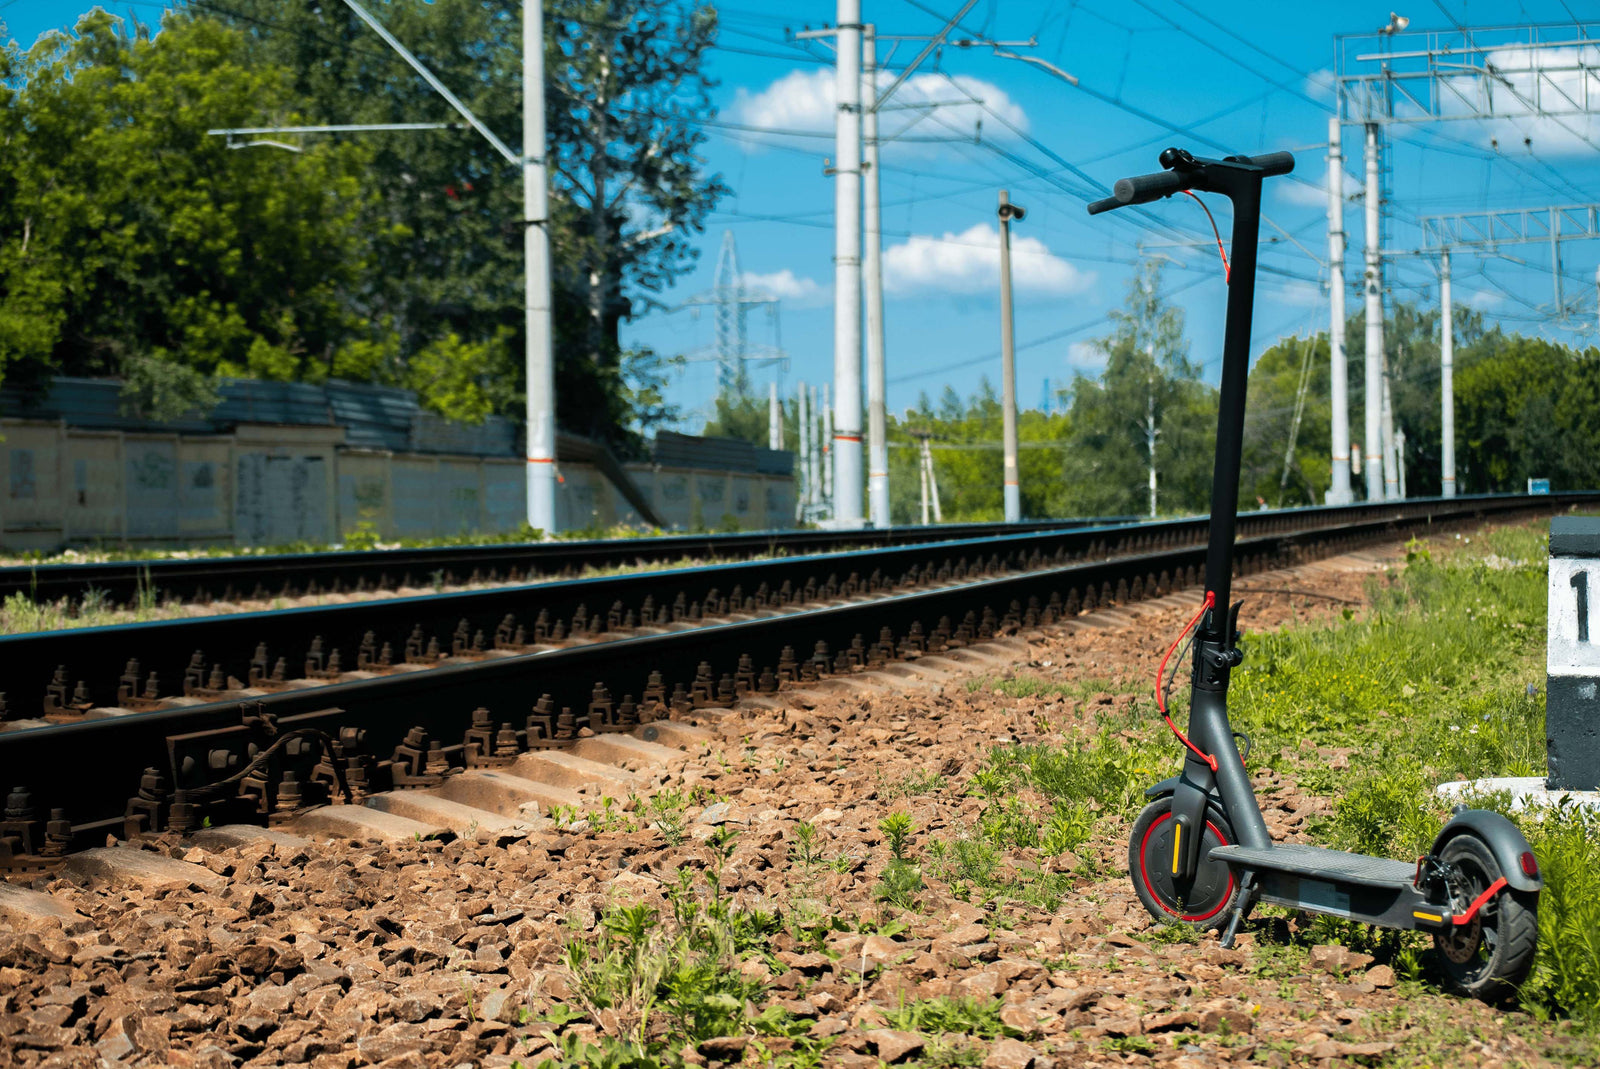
<point>438,86</point>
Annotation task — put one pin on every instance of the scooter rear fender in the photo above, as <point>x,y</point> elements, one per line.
<point>1505,842</point>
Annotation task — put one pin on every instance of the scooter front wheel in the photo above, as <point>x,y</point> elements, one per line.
<point>1492,954</point>
<point>1201,902</point>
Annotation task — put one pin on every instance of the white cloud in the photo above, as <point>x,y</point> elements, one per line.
<point>1086,357</point>
<point>804,101</point>
<point>1299,294</point>
<point>1320,84</point>
<point>969,262</point>
<point>784,285</point>
<point>1484,300</point>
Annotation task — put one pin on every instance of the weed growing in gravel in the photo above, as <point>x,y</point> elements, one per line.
<point>979,1018</point>
<point>898,829</point>
<point>652,984</point>
<point>911,785</point>
<point>900,881</point>
<point>803,850</point>
<point>669,812</point>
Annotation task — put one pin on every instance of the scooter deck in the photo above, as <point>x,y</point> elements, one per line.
<point>1316,863</point>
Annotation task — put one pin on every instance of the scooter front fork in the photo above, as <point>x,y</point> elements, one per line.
<point>1189,800</point>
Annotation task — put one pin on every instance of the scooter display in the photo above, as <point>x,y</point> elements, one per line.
<point>1200,853</point>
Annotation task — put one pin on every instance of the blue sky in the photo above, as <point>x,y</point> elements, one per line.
<point>1246,75</point>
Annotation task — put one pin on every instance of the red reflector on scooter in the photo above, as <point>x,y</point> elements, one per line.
<point>1530,866</point>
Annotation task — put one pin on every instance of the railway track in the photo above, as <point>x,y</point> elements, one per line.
<point>568,663</point>
<point>258,577</point>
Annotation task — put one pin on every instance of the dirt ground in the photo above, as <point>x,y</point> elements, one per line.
<point>430,953</point>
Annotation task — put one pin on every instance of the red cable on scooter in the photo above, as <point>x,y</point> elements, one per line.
<point>1161,700</point>
<point>1227,272</point>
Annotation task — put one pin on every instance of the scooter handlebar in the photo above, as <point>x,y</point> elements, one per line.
<point>1187,173</point>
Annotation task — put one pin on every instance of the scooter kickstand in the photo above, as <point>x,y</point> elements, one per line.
<point>1247,899</point>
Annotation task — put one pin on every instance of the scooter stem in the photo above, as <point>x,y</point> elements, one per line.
<point>1230,418</point>
<point>1214,651</point>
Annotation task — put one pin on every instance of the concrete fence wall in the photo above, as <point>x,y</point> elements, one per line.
<point>273,485</point>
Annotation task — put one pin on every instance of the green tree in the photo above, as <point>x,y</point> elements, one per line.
<point>736,414</point>
<point>625,95</point>
<point>1527,408</point>
<point>135,245</point>
<point>1288,414</point>
<point>1148,378</point>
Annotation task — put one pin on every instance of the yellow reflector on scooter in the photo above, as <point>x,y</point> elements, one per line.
<point>1434,917</point>
<point>1177,837</point>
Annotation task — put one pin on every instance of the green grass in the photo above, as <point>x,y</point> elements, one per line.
<point>979,1018</point>
<point>1441,680</point>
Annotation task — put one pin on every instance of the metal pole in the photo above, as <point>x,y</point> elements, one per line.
<point>803,431</point>
<point>933,483</point>
<point>1008,365</point>
<point>1150,444</point>
<point>1447,382</point>
<point>1372,284</point>
<point>877,388</point>
<point>541,387</point>
<point>922,471</point>
<point>830,478</point>
<point>814,488</point>
<point>1555,260</point>
<point>846,434</point>
<point>1400,458</point>
<point>774,419</point>
<point>1339,373</point>
<point>1391,467</point>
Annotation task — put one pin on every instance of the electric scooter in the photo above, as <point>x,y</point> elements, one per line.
<point>1200,853</point>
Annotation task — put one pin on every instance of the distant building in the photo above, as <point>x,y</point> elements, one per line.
<point>275,463</point>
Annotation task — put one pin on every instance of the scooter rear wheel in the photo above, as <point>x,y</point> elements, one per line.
<point>1201,903</point>
<point>1490,955</point>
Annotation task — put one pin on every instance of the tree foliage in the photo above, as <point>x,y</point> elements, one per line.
<point>1525,408</point>
<point>133,244</point>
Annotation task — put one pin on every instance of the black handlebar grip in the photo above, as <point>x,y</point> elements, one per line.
<point>1141,189</point>
<point>1274,163</point>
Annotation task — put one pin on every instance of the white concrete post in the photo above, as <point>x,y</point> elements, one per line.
<point>1011,485</point>
<point>922,472</point>
<point>1339,372</point>
<point>1400,459</point>
<point>1391,461</point>
<point>1447,381</point>
<point>1372,285</point>
<point>802,500</point>
<point>774,419</point>
<point>539,356</point>
<point>846,432</point>
<point>829,476</point>
<point>872,266</point>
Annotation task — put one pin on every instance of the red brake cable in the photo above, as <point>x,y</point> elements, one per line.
<point>1161,701</point>
<point>1226,273</point>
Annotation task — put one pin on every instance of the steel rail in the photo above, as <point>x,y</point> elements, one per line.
<point>90,769</point>
<point>267,575</point>
<point>63,674</point>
